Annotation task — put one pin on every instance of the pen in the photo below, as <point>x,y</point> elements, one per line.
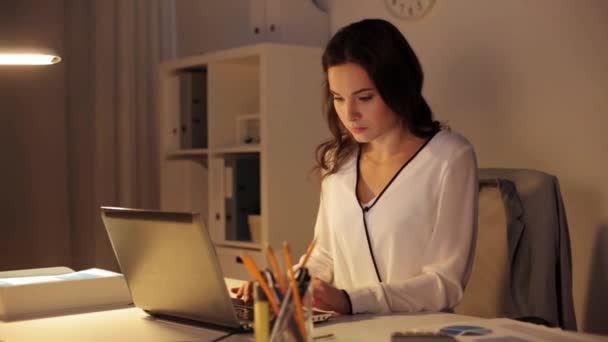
<point>303,279</point>
<point>272,284</point>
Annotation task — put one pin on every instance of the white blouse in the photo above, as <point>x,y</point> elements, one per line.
<point>422,231</point>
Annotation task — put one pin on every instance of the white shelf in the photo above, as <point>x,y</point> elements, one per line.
<point>239,244</point>
<point>251,148</point>
<point>188,153</point>
<point>194,152</point>
<point>277,84</point>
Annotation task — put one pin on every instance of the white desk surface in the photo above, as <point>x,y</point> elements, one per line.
<point>132,324</point>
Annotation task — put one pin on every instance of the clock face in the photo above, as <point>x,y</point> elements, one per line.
<point>409,9</point>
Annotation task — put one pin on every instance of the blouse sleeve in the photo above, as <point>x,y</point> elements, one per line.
<point>321,263</point>
<point>448,259</point>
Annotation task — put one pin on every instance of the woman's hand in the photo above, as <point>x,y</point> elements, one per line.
<point>245,292</point>
<point>327,297</point>
<point>324,296</point>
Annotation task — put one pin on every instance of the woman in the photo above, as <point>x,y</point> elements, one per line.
<point>397,218</point>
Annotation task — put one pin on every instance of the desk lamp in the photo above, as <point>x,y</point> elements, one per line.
<point>29,56</point>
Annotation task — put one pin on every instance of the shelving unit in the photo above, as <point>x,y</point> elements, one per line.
<point>191,152</point>
<point>228,175</point>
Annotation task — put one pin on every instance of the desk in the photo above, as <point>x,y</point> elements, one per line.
<point>132,324</point>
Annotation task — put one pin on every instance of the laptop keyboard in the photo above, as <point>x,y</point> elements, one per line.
<point>244,312</point>
<point>238,302</point>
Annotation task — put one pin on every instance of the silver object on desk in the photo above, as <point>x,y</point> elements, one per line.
<point>170,265</point>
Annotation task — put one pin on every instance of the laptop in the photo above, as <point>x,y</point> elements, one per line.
<point>172,270</point>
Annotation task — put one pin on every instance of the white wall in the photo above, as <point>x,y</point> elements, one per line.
<point>527,83</point>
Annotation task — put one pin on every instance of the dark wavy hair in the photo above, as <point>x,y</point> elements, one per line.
<point>389,60</point>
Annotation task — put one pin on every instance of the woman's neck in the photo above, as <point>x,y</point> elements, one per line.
<point>392,145</point>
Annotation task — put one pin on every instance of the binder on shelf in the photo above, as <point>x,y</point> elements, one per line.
<point>193,108</point>
<point>244,200</point>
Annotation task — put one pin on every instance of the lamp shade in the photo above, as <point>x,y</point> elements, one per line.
<point>28,56</point>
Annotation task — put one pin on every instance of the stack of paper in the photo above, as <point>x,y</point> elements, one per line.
<point>44,291</point>
<point>505,330</point>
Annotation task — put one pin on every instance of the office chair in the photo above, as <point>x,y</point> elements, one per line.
<point>522,267</point>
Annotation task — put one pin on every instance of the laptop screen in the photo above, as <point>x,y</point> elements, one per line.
<point>170,265</point>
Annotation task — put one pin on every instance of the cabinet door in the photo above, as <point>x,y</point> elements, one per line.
<point>204,26</point>
<point>232,265</point>
<point>293,22</point>
<point>257,25</point>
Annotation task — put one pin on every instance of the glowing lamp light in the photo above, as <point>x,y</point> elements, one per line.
<point>28,57</point>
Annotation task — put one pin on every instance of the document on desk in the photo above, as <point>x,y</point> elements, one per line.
<point>31,293</point>
<point>506,330</point>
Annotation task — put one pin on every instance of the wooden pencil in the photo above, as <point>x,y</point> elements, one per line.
<point>276,268</point>
<point>308,252</point>
<point>294,288</point>
<point>254,271</point>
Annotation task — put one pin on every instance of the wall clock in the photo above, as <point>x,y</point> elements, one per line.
<point>409,10</point>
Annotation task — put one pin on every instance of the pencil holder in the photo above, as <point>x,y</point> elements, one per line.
<point>288,326</point>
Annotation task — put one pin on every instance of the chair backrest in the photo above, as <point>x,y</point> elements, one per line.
<point>487,293</point>
<point>522,265</point>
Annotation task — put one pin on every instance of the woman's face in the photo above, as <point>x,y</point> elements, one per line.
<point>360,107</point>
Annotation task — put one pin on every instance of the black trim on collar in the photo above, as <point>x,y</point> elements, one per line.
<point>365,209</point>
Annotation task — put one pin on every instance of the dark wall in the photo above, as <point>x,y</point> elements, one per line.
<point>34,220</point>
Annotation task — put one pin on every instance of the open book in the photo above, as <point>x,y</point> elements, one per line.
<point>58,290</point>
